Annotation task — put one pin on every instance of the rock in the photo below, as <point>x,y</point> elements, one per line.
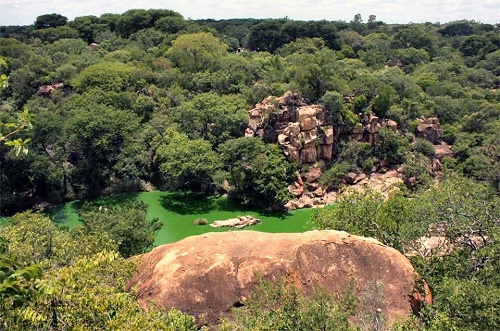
<point>313,174</point>
<point>351,177</point>
<point>310,138</point>
<point>429,129</point>
<point>330,198</point>
<point>249,133</point>
<point>318,192</point>
<point>359,178</point>
<point>308,155</point>
<point>45,91</point>
<point>325,152</point>
<point>239,222</point>
<point>357,132</point>
<point>393,125</point>
<point>307,118</point>
<point>292,153</point>
<point>327,136</point>
<point>442,150</point>
<point>211,273</point>
<point>296,189</point>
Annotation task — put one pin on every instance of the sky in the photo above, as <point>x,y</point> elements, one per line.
<point>24,12</point>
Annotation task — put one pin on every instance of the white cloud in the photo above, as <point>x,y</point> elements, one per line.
<point>22,12</point>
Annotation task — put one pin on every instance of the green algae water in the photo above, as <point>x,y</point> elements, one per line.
<point>178,210</point>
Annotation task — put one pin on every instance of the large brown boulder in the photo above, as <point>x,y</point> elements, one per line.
<point>211,273</point>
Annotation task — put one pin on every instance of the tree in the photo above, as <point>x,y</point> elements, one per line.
<point>186,163</point>
<point>50,35</point>
<point>109,76</point>
<point>10,128</point>
<point>126,224</point>
<point>196,52</point>
<point>212,117</point>
<point>88,27</point>
<point>336,111</point>
<point>257,171</point>
<point>50,21</point>
<point>102,143</point>
<point>282,306</point>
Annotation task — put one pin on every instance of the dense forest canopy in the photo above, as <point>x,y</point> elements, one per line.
<point>147,96</point>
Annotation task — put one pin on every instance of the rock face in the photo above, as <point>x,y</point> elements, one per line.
<point>211,273</point>
<point>303,131</point>
<point>429,129</point>
<point>239,222</point>
<point>297,127</point>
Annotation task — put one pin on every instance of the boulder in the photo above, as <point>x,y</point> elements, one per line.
<point>308,155</point>
<point>307,118</point>
<point>393,125</point>
<point>310,138</point>
<point>442,150</point>
<point>292,153</point>
<point>211,273</point>
<point>325,152</point>
<point>296,189</point>
<point>351,177</point>
<point>313,174</point>
<point>429,129</point>
<point>239,222</point>
<point>326,135</point>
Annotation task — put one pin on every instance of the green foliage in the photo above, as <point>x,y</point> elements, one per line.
<point>126,225</point>
<point>282,306</point>
<point>82,286</point>
<point>417,171</point>
<point>258,172</point>
<point>212,117</point>
<point>424,147</point>
<point>393,147</point>
<point>196,52</point>
<point>336,111</point>
<point>333,177</point>
<point>358,155</point>
<point>108,76</point>
<point>50,21</point>
<point>186,163</point>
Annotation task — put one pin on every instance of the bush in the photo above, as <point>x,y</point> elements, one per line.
<point>332,178</point>
<point>200,221</point>
<point>425,147</point>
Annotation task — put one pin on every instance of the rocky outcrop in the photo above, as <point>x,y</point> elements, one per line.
<point>429,129</point>
<point>47,91</point>
<point>211,273</point>
<point>296,126</point>
<point>302,130</point>
<point>239,222</point>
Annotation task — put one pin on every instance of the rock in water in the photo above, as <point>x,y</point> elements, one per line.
<point>210,273</point>
<point>239,222</point>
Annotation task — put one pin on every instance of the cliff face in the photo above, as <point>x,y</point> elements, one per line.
<point>211,273</point>
<point>303,131</point>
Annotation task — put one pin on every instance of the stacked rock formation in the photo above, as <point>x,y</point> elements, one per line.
<point>429,129</point>
<point>297,127</point>
<point>302,130</point>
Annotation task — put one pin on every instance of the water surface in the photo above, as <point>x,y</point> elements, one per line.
<point>178,210</point>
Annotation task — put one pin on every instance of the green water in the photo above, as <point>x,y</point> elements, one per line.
<point>177,211</point>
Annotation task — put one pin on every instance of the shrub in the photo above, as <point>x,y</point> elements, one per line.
<point>425,147</point>
<point>200,221</point>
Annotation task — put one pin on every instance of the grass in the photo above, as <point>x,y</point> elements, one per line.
<point>178,210</point>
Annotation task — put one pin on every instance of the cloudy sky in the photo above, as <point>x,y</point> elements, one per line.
<point>23,12</point>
